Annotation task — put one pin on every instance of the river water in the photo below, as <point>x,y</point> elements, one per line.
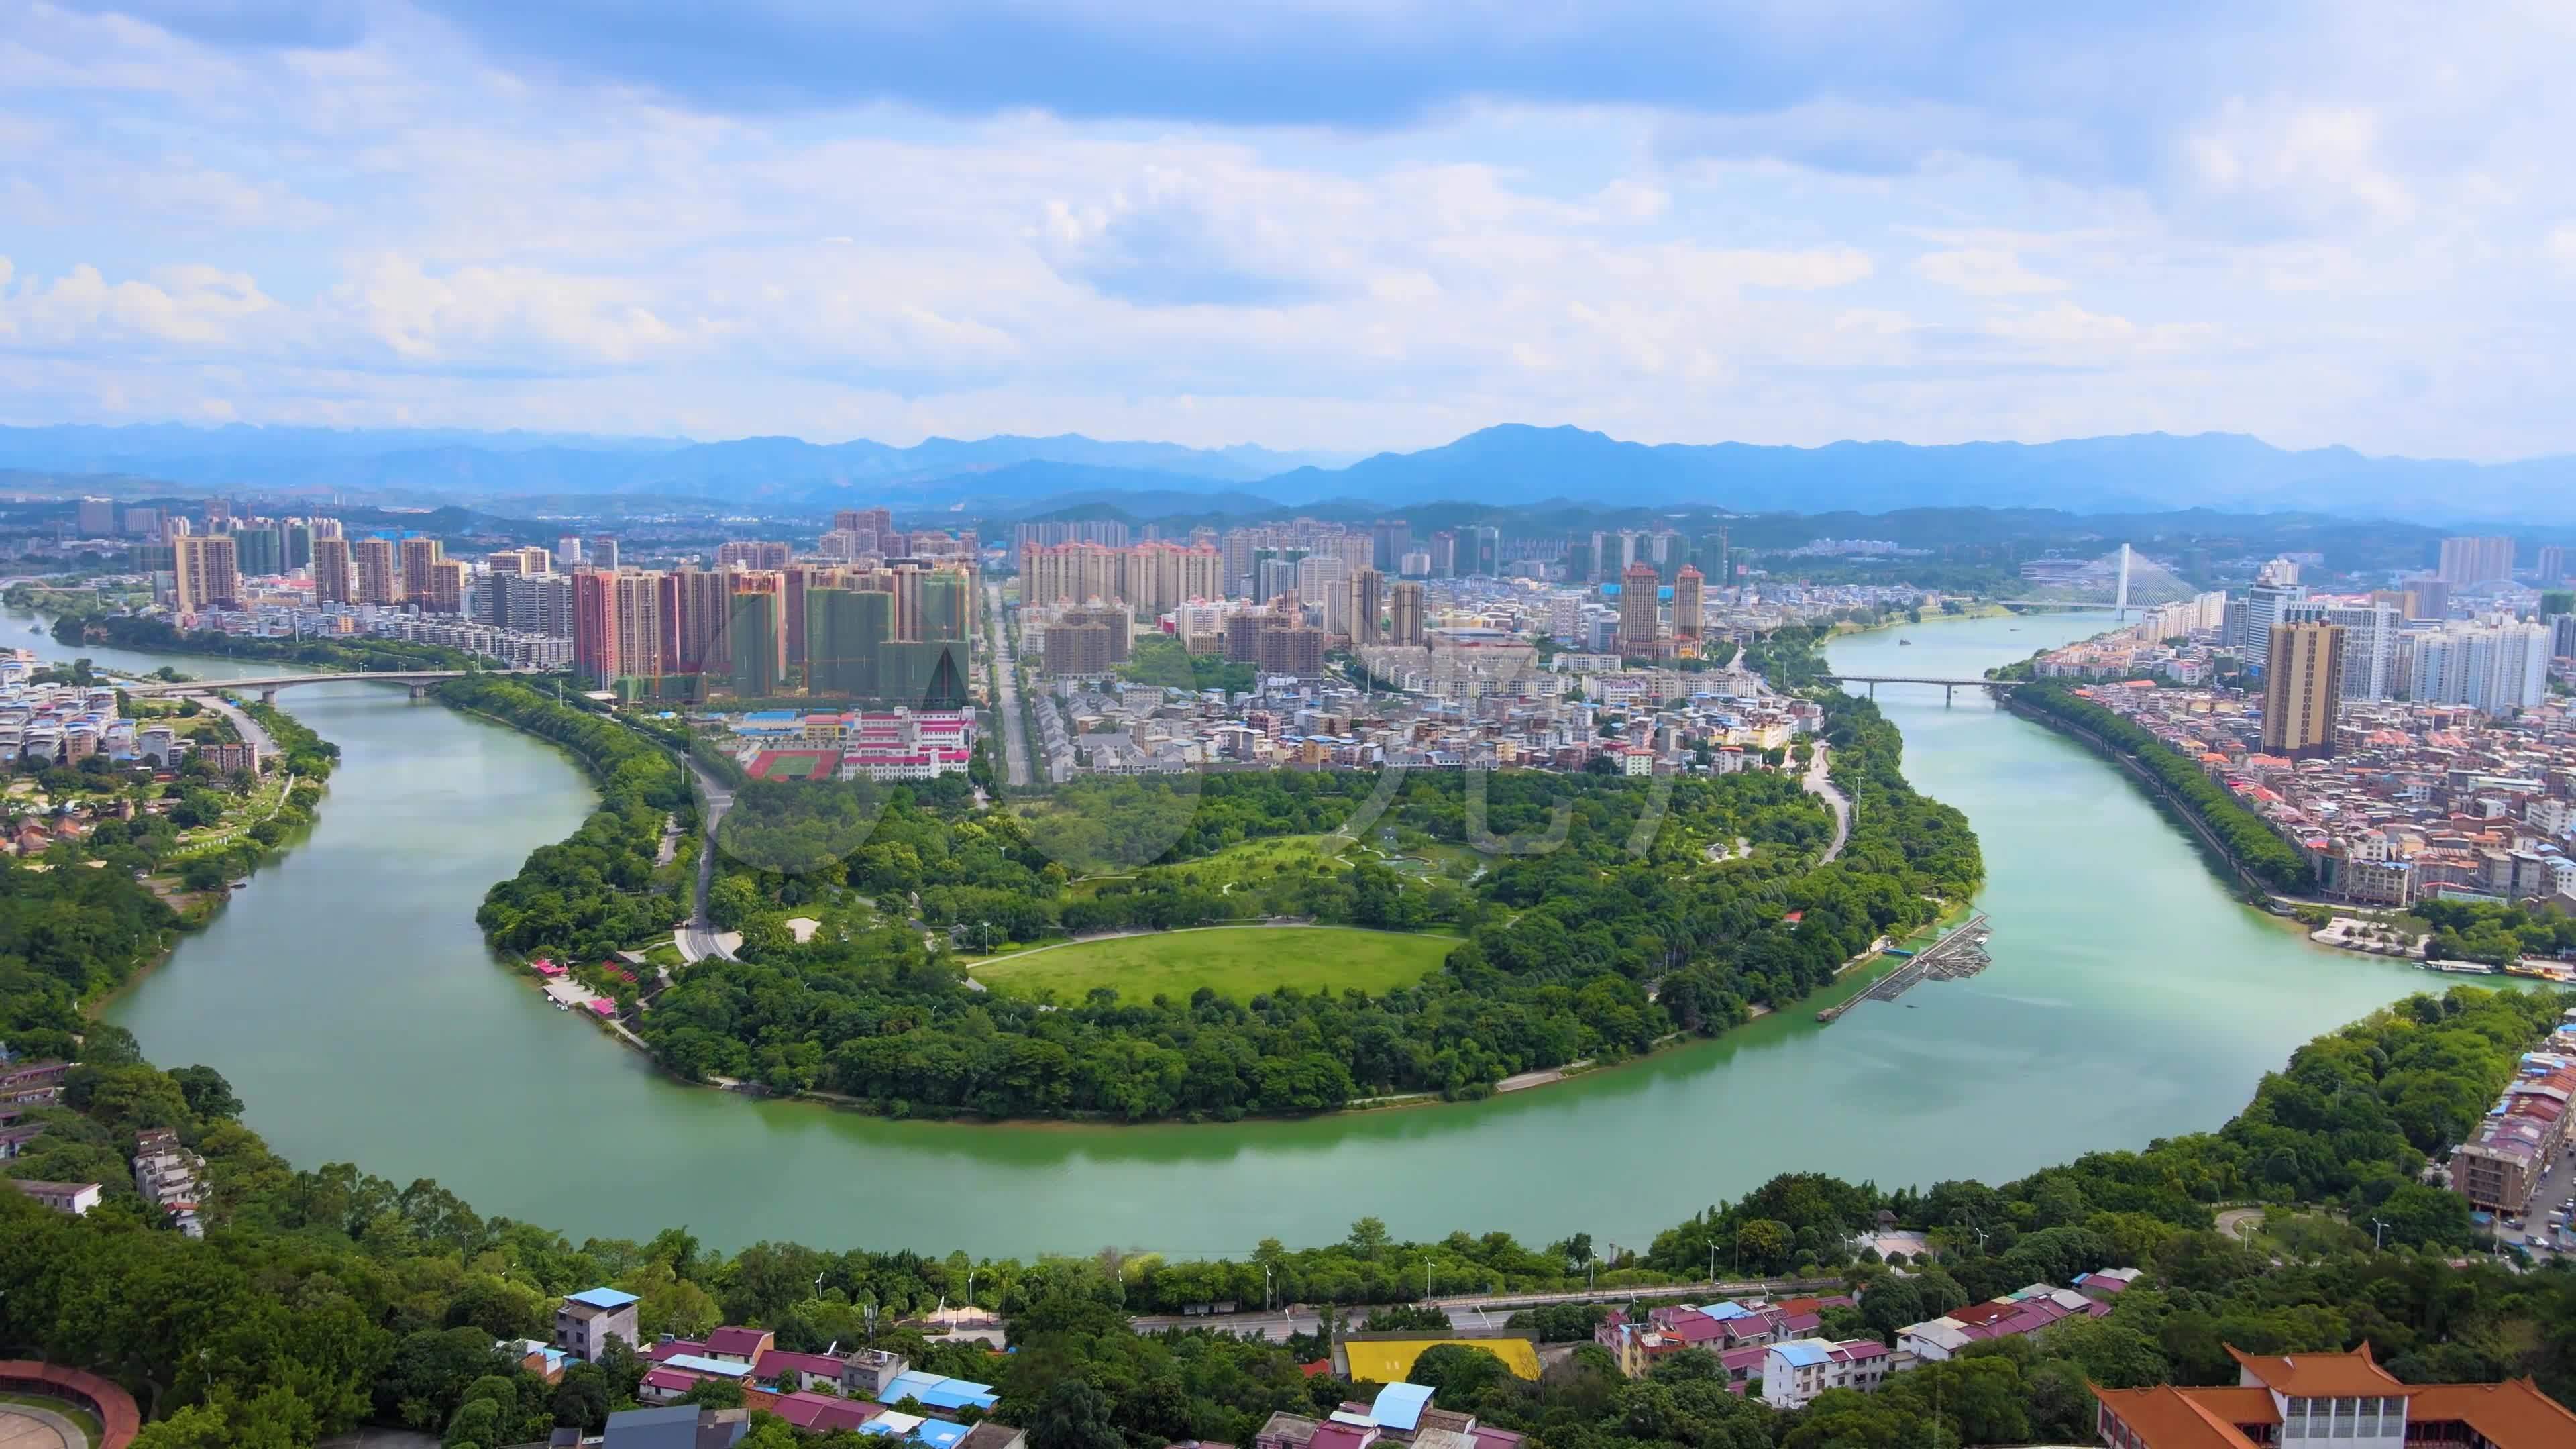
<point>346,994</point>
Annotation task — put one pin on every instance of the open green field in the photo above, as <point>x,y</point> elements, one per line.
<point>1235,961</point>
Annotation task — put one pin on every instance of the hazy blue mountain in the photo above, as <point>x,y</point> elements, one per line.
<point>484,465</point>
<point>1508,466</point>
<point>1515,464</point>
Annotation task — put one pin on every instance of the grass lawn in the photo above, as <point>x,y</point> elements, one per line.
<point>79,1417</point>
<point>1239,962</point>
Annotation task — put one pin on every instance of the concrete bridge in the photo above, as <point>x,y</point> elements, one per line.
<point>420,681</point>
<point>1949,687</point>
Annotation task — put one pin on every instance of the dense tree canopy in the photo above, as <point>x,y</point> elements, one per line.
<point>1598,916</point>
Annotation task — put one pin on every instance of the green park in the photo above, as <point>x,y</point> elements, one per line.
<point>1239,962</point>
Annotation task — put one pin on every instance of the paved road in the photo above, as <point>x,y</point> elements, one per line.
<point>249,728</point>
<point>1820,784</point>
<point>1276,1327</point>
<point>1015,735</point>
<point>698,937</point>
<point>2240,1222</point>
<point>24,1426</point>
<point>1472,1310</point>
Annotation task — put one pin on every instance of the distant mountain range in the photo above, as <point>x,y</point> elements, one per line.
<point>1507,466</point>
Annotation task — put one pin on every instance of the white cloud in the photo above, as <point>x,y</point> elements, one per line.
<point>1983,272</point>
<point>489,313</point>
<point>2316,163</point>
<point>184,303</point>
<point>413,228</point>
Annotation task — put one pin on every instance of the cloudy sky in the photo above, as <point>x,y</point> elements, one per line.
<point>1345,224</point>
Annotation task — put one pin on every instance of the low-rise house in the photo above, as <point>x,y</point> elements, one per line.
<point>684,1427</point>
<point>29,1082</point>
<point>815,1413</point>
<point>1720,1328</point>
<point>2105,1285</point>
<point>869,1372</point>
<point>800,1371</point>
<point>933,1392</point>
<point>740,1345</point>
<point>16,1134</point>
<point>1794,1373</point>
<point>542,1359</point>
<point>171,1178</point>
<point>1286,1431</point>
<point>2027,1311</point>
<point>993,1434</point>
<point>586,1321</point>
<point>75,1198</point>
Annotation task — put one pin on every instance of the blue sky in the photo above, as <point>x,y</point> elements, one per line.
<point>1337,225</point>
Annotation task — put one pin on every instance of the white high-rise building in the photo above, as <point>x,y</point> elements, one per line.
<point>1326,581</point>
<point>2492,668</point>
<point>2369,643</point>
<point>2265,606</point>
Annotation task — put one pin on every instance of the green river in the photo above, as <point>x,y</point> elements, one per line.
<point>346,994</point>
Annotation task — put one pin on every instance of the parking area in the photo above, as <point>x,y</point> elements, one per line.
<point>2557,1185</point>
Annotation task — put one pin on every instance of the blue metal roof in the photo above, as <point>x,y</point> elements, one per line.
<point>697,1364</point>
<point>1802,1352</point>
<point>602,1298</point>
<point>1400,1406</point>
<point>939,1433</point>
<point>939,1393</point>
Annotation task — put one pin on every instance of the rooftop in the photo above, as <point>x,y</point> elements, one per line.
<point>604,1299</point>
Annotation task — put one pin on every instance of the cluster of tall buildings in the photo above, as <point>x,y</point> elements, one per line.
<point>1147,577</point>
<point>895,630</point>
<point>2324,655</point>
<point>1641,632</point>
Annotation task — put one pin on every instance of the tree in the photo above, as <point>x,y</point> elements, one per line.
<point>2430,1217</point>
<point>1368,1237</point>
<point>208,1095</point>
<point>1074,1415</point>
<point>1456,1373</point>
<point>1765,1245</point>
<point>714,1393</point>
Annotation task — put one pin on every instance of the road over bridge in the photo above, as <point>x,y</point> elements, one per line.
<point>420,681</point>
<point>1949,687</point>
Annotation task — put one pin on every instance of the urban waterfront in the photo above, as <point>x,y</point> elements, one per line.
<point>347,995</point>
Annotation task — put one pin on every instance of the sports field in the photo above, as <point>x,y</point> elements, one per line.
<point>1235,961</point>
<point>1388,1360</point>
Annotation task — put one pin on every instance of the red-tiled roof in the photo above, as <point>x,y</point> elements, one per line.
<point>778,1361</point>
<point>2512,1415</point>
<point>2320,1375</point>
<point>2166,1418</point>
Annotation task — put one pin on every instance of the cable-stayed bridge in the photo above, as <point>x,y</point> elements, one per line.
<point>2120,580</point>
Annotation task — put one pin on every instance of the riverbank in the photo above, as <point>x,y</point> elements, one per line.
<point>350,999</point>
<point>243,847</point>
<point>2224,861</point>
